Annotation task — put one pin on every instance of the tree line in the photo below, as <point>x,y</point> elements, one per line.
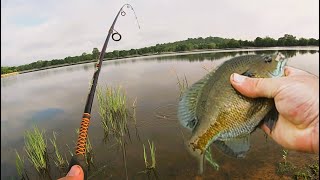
<point>178,46</point>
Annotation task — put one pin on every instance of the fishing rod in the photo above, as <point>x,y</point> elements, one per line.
<point>79,157</point>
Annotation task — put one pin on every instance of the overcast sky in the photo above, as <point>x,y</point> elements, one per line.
<point>34,30</point>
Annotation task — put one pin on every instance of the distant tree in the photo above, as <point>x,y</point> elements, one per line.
<point>232,43</point>
<point>313,42</point>
<point>258,42</point>
<point>303,42</point>
<point>185,45</point>
<point>269,42</point>
<point>287,40</point>
<point>95,53</point>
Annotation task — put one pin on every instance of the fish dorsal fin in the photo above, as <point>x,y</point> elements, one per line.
<point>234,147</point>
<point>188,103</point>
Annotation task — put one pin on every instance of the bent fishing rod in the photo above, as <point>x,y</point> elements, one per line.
<point>79,157</point>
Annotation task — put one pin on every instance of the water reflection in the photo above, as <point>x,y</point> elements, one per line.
<point>55,98</point>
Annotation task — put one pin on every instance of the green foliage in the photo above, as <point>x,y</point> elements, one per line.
<point>178,46</point>
<point>152,150</point>
<point>19,165</point>
<point>36,149</point>
<point>113,111</point>
<point>288,169</point>
<point>95,53</point>
<point>60,162</point>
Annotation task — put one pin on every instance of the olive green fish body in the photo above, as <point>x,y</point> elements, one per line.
<point>216,112</point>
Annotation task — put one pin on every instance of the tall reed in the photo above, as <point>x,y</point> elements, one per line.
<point>20,165</point>
<point>182,84</point>
<point>59,161</point>
<point>114,116</point>
<point>36,149</point>
<point>150,167</point>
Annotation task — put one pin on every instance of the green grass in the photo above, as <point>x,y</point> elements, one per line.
<point>114,116</point>
<point>307,171</point>
<point>150,167</point>
<point>152,150</point>
<point>182,84</point>
<point>19,164</point>
<point>113,111</point>
<point>36,149</point>
<point>59,161</point>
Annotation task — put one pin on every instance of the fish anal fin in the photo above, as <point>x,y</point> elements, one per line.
<point>235,147</point>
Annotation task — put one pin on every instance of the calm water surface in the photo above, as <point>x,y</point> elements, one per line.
<point>54,100</point>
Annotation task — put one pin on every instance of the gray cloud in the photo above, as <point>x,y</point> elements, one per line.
<point>68,28</point>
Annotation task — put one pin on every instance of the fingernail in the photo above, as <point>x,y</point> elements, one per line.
<point>74,171</point>
<point>238,78</point>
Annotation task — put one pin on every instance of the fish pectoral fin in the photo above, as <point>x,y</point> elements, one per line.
<point>248,73</point>
<point>271,118</point>
<point>188,104</point>
<point>234,147</point>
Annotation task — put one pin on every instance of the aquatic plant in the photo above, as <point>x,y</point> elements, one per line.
<point>285,167</point>
<point>182,84</point>
<point>150,167</point>
<point>284,156</point>
<point>134,113</point>
<point>20,166</point>
<point>113,111</point>
<point>114,116</point>
<point>36,149</point>
<point>152,150</point>
<point>60,162</point>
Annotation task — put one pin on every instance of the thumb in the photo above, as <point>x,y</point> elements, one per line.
<point>256,87</point>
<point>75,173</point>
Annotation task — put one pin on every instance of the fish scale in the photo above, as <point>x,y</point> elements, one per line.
<point>217,113</point>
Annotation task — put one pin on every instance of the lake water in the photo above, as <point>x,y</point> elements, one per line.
<point>54,100</point>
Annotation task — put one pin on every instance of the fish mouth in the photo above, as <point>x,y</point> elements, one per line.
<point>279,71</point>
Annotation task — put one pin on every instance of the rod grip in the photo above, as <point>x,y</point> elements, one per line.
<point>80,160</point>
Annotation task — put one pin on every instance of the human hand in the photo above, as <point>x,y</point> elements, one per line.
<point>296,98</point>
<point>75,173</point>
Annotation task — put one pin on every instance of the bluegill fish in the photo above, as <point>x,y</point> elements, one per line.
<point>217,113</point>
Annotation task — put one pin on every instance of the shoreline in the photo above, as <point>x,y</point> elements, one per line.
<point>202,51</point>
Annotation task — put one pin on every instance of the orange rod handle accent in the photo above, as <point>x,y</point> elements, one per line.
<point>83,134</point>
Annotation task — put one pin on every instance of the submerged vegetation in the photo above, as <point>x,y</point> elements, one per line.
<point>59,161</point>
<point>182,84</point>
<point>114,117</point>
<point>178,46</point>
<point>36,149</point>
<point>307,171</point>
<point>150,167</point>
<point>113,112</point>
